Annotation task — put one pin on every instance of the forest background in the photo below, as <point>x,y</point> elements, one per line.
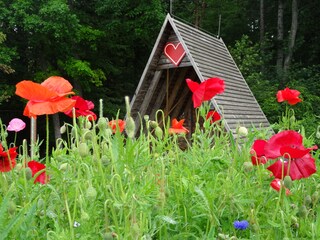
<point>102,47</point>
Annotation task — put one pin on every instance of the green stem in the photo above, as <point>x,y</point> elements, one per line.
<point>47,139</point>
<point>15,138</point>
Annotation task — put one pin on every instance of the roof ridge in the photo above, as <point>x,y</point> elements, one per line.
<point>178,19</point>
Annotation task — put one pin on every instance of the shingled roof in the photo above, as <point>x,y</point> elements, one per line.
<point>162,84</point>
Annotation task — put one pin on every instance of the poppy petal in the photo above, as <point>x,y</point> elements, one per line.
<point>213,86</point>
<point>293,152</point>
<point>302,167</point>
<point>40,108</point>
<point>35,168</point>
<point>281,139</point>
<point>276,185</point>
<point>34,91</point>
<point>258,147</point>
<point>58,85</point>
<point>276,169</point>
<point>192,85</point>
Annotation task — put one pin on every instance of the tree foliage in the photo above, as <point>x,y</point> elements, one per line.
<point>102,46</point>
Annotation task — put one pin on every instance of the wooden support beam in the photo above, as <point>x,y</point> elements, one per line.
<point>148,96</point>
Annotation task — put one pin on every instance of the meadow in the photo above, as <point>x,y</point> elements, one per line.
<point>102,182</point>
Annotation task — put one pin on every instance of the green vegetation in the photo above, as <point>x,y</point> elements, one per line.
<point>106,186</point>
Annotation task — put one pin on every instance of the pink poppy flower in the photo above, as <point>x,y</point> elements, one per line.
<point>16,125</point>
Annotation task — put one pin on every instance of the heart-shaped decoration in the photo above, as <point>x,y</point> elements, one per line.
<point>174,52</point>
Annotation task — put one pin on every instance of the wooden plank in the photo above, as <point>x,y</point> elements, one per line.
<point>148,95</point>
<point>177,86</point>
<point>181,104</point>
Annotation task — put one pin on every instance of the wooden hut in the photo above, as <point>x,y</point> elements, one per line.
<point>200,56</point>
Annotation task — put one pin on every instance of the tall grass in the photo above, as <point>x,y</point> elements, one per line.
<point>107,186</point>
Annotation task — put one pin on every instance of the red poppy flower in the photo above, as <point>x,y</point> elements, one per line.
<point>49,97</point>
<point>288,145</point>
<point>299,167</point>
<point>257,152</point>
<point>177,127</point>
<point>82,108</point>
<point>289,95</point>
<point>35,168</point>
<point>117,124</point>
<point>287,141</point>
<point>276,185</point>
<point>214,116</point>
<point>7,159</point>
<point>206,90</point>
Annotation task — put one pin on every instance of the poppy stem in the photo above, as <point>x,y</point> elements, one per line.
<point>47,139</point>
<point>15,138</point>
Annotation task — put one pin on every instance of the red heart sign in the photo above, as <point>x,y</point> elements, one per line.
<point>174,52</point>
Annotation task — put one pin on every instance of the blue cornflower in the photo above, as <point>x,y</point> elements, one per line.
<point>241,225</point>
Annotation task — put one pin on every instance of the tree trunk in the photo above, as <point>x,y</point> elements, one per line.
<point>262,32</point>
<point>280,54</point>
<point>292,36</point>
<point>261,24</point>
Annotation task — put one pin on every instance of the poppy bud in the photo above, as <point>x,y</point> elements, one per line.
<point>292,119</point>
<point>303,212</point>
<point>63,129</point>
<point>28,172</point>
<point>307,200</point>
<point>130,127</point>
<point>153,124</point>
<point>158,132</point>
<point>243,131</point>
<point>64,167</point>
<point>108,236</point>
<point>18,166</point>
<point>105,160</point>
<point>102,123</point>
<point>106,132</point>
<point>223,236</point>
<point>146,118</point>
<point>88,124</point>
<point>84,216</point>
<point>247,166</point>
<point>287,182</point>
<point>83,149</point>
<point>91,193</point>
<point>73,132</point>
<point>12,207</point>
<point>87,134</point>
<point>294,219</point>
<point>315,197</point>
<point>40,204</point>
<point>318,132</point>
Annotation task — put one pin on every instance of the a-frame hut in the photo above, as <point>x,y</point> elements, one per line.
<point>182,51</point>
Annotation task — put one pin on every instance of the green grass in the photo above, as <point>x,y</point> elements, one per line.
<point>107,186</point>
